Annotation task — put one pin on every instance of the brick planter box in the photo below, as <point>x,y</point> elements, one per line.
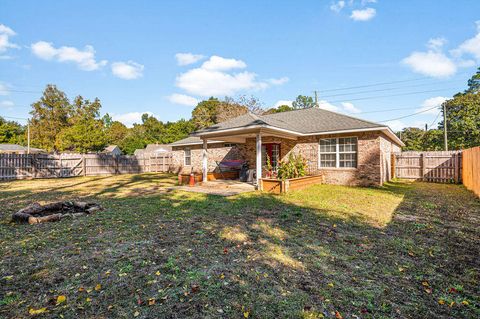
<point>211,176</point>
<point>278,186</point>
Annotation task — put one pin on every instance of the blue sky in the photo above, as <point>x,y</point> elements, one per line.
<point>162,57</point>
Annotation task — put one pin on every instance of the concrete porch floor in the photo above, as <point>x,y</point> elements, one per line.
<point>220,187</point>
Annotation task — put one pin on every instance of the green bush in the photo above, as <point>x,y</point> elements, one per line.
<point>295,166</point>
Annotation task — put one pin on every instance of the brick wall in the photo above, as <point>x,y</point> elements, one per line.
<point>216,152</point>
<point>372,162</point>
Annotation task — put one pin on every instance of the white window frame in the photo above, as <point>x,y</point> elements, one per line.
<point>337,153</point>
<point>185,156</point>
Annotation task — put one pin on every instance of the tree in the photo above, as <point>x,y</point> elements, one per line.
<point>474,83</point>
<point>281,108</point>
<point>463,120</point>
<point>203,115</point>
<point>416,139</point>
<point>213,111</point>
<point>116,132</point>
<point>11,132</point>
<point>85,131</point>
<point>303,102</point>
<point>49,117</point>
<point>135,139</point>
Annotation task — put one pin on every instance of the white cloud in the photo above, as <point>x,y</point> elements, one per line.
<point>188,58</point>
<point>432,105</point>
<point>85,59</point>
<point>436,63</point>
<point>130,118</point>
<point>363,14</point>
<point>4,90</point>
<point>215,83</point>
<point>283,102</point>
<point>470,46</point>
<point>365,2</point>
<point>5,34</point>
<point>279,81</point>
<point>431,63</point>
<point>344,107</point>
<point>183,99</point>
<point>436,44</point>
<point>212,78</point>
<point>337,6</point>
<point>217,63</point>
<point>396,125</point>
<point>127,70</point>
<point>350,108</point>
<point>7,104</point>
<point>327,106</point>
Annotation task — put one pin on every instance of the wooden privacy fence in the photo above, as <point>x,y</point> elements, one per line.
<point>18,166</point>
<point>439,166</point>
<point>471,169</point>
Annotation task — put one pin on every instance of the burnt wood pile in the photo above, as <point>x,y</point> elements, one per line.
<point>36,213</point>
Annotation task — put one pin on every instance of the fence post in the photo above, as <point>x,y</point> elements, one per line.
<point>392,163</point>
<point>116,164</point>
<point>422,166</point>
<point>84,164</point>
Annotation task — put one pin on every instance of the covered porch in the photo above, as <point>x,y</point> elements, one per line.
<point>255,144</point>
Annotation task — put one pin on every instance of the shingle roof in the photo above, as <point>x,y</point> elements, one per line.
<point>193,140</point>
<point>157,147</point>
<point>304,121</point>
<point>109,148</point>
<point>12,147</point>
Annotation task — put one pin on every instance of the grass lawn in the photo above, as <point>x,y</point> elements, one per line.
<point>406,250</point>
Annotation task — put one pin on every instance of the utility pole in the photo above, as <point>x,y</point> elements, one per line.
<point>426,127</point>
<point>316,98</point>
<point>28,136</point>
<point>445,126</point>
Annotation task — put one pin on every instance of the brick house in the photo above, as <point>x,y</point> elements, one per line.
<point>344,149</point>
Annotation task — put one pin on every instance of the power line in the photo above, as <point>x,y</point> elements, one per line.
<point>436,118</point>
<point>390,95</point>
<point>386,89</point>
<point>382,83</point>
<point>413,114</point>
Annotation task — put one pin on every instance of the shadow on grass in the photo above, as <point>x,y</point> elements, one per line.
<point>198,256</point>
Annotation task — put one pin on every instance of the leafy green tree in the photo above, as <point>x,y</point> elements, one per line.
<point>280,109</point>
<point>116,132</point>
<point>50,116</point>
<point>474,83</point>
<point>175,131</point>
<point>11,132</point>
<point>107,120</point>
<point>85,132</point>
<point>416,139</point>
<point>463,120</point>
<point>135,139</point>
<point>303,102</point>
<point>213,111</point>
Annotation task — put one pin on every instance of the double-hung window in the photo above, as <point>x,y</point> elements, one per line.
<point>338,152</point>
<point>188,156</point>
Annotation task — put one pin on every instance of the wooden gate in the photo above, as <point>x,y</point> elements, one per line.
<point>439,166</point>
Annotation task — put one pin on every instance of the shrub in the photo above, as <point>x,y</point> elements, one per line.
<point>295,166</point>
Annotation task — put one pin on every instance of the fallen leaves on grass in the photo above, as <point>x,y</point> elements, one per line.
<point>34,312</point>
<point>61,299</point>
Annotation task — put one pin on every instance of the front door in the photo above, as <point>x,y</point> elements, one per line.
<point>272,150</point>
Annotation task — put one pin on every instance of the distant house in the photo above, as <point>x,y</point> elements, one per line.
<point>343,149</point>
<point>153,150</point>
<point>18,149</point>
<point>112,150</point>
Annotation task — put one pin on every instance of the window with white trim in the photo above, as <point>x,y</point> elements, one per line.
<point>338,152</point>
<point>188,156</point>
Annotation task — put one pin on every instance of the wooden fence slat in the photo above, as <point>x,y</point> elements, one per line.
<point>440,167</point>
<point>471,169</point>
<point>19,166</point>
